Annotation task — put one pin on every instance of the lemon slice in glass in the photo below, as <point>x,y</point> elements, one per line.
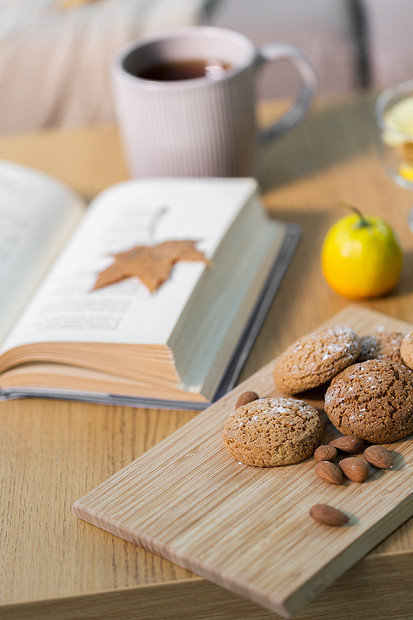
<point>400,118</point>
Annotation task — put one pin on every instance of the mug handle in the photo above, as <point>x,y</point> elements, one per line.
<point>278,51</point>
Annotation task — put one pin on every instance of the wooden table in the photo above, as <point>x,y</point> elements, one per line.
<point>51,453</point>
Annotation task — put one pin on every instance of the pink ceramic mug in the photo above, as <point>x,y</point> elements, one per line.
<point>203,126</point>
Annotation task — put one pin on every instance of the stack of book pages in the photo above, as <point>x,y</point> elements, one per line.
<point>181,345</point>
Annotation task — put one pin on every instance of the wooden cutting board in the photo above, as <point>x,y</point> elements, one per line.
<point>245,528</point>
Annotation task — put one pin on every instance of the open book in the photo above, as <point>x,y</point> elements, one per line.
<point>180,346</point>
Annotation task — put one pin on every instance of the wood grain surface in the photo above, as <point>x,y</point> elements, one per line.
<point>51,453</point>
<point>246,528</point>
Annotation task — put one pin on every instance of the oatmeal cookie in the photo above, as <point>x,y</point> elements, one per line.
<point>372,400</point>
<point>382,345</point>
<point>406,349</point>
<point>316,358</point>
<point>273,431</point>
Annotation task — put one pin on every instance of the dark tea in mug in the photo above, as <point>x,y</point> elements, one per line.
<point>187,69</point>
<point>185,102</point>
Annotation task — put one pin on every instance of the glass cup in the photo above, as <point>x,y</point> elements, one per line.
<point>394,115</point>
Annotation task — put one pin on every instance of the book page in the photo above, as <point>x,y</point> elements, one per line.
<point>143,212</point>
<point>37,214</point>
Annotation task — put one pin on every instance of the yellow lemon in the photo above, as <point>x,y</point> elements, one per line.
<point>361,257</point>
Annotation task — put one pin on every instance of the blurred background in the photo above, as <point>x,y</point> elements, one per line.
<point>55,55</point>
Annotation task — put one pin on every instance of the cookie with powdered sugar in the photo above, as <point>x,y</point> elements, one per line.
<point>273,431</point>
<point>406,349</point>
<point>372,400</point>
<point>316,358</point>
<point>381,345</point>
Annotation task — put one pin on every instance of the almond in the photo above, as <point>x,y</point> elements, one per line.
<point>245,398</point>
<point>354,468</point>
<point>379,457</point>
<point>348,444</point>
<point>329,472</point>
<point>325,453</point>
<point>328,515</point>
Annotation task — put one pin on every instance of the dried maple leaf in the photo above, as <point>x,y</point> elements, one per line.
<point>151,264</point>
